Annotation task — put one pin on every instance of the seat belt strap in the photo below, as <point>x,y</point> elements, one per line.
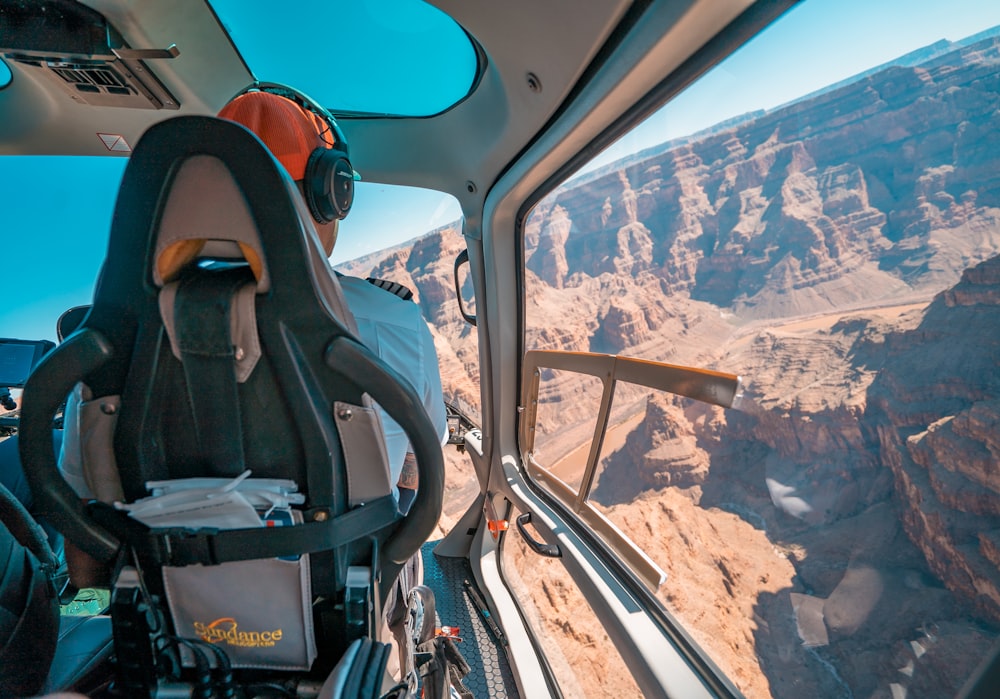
<point>181,547</point>
<point>202,318</point>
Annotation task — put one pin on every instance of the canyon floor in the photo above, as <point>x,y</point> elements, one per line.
<point>791,595</point>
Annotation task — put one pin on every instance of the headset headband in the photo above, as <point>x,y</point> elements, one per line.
<point>329,176</point>
<point>306,103</point>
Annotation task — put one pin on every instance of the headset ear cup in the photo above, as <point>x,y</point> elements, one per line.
<point>329,185</point>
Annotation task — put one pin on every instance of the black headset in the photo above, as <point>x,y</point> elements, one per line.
<point>328,183</point>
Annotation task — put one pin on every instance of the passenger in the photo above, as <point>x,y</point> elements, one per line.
<point>389,326</point>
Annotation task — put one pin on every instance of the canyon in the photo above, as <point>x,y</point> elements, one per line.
<point>839,535</point>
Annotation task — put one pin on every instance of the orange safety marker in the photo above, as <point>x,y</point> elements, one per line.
<point>496,526</point>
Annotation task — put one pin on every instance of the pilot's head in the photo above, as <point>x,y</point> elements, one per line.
<point>292,134</point>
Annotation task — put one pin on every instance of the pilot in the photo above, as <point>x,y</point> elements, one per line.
<point>390,326</point>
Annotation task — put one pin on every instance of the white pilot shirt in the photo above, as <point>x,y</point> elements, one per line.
<point>396,331</point>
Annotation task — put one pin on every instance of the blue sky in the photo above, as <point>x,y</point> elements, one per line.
<point>379,60</point>
<point>55,212</point>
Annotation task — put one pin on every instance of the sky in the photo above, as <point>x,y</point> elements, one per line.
<point>55,212</point>
<point>395,47</point>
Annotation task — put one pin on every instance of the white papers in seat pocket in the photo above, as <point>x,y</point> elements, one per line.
<point>221,506</point>
<point>259,611</point>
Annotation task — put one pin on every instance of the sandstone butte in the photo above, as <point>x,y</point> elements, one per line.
<point>841,253</point>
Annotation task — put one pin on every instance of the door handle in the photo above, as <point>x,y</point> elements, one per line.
<point>547,550</point>
<point>462,259</point>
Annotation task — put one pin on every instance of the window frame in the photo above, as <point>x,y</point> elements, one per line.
<point>705,385</point>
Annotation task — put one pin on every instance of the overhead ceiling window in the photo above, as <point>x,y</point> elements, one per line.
<point>391,57</point>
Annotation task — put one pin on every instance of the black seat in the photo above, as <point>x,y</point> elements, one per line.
<point>212,266</point>
<point>29,607</point>
<point>83,653</point>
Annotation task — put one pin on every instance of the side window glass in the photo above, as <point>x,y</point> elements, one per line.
<point>568,406</point>
<point>837,247</point>
<point>581,656</point>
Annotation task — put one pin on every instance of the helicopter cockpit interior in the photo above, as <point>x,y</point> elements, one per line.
<point>710,289</point>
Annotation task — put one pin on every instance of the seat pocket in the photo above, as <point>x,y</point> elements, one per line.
<point>258,611</point>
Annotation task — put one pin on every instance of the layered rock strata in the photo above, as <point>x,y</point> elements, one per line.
<point>936,412</point>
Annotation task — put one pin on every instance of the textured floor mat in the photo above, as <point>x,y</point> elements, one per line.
<point>490,674</point>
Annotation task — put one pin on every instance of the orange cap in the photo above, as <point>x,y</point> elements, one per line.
<point>290,132</point>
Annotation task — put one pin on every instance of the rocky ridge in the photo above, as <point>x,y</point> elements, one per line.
<point>935,410</point>
<point>797,249</point>
<point>796,211</point>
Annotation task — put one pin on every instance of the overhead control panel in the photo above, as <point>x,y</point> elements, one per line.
<point>79,49</point>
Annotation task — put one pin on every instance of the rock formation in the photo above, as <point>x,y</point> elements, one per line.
<point>796,210</point>
<point>662,451</point>
<point>800,248</point>
<point>935,410</point>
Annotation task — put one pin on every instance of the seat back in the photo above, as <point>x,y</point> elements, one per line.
<point>219,342</point>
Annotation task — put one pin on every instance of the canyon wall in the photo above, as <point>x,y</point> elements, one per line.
<point>841,533</point>
<point>873,191</point>
<point>935,410</point>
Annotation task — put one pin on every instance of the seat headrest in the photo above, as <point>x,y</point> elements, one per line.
<point>201,187</point>
<point>206,215</point>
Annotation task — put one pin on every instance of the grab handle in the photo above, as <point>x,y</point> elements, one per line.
<point>547,550</point>
<point>462,259</point>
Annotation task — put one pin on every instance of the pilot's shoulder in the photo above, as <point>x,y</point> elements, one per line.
<point>381,306</point>
<point>374,288</point>
<point>395,288</point>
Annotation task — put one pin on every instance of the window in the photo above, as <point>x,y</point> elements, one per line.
<point>386,216</point>
<point>837,247</point>
<point>400,58</point>
<point>581,656</point>
<point>74,220</point>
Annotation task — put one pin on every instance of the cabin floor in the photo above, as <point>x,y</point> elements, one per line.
<point>490,674</point>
